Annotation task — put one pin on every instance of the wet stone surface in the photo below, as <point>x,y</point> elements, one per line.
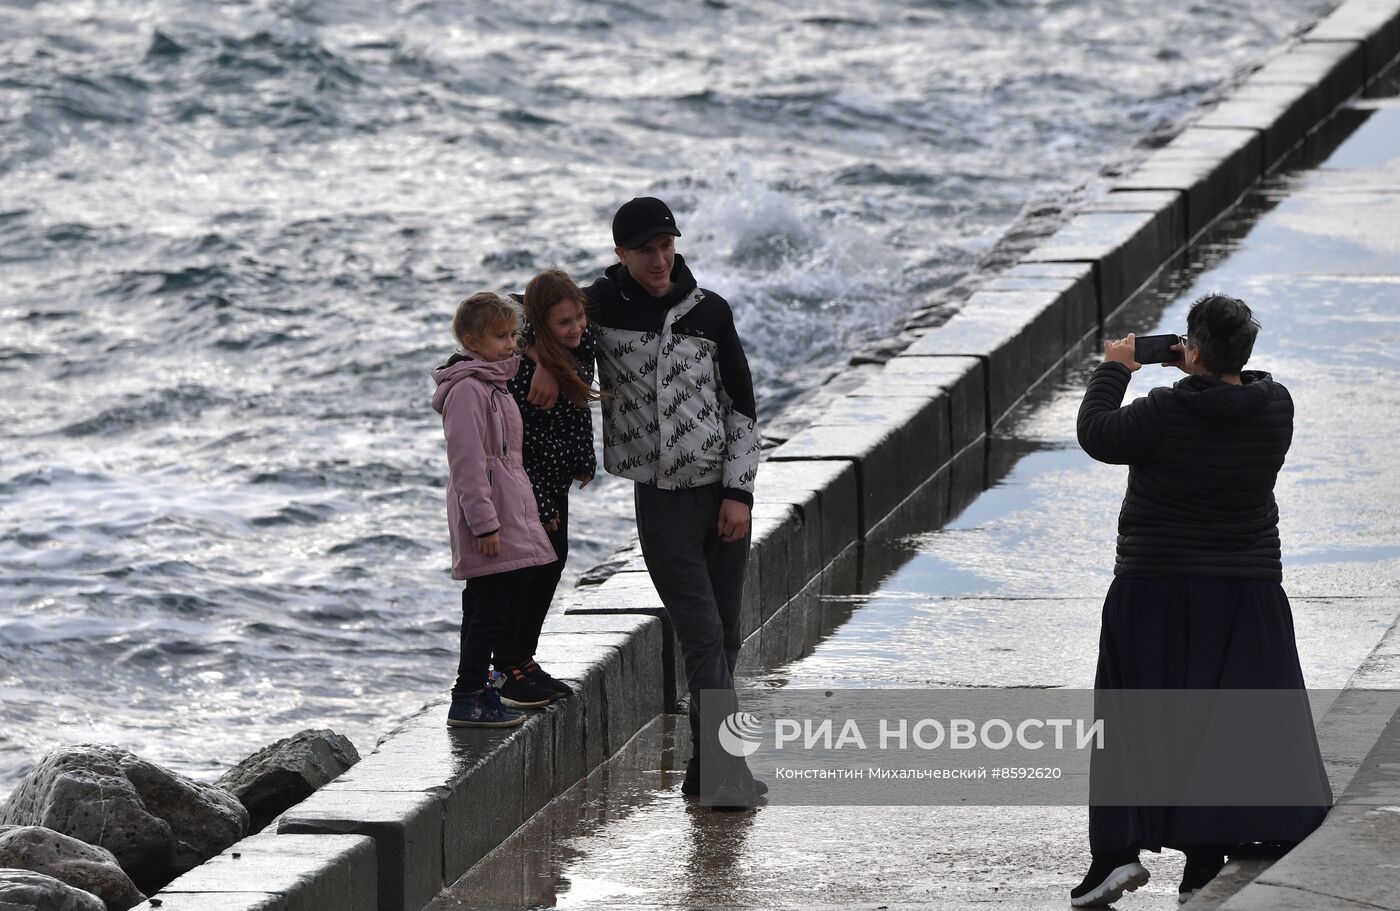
<point>1009,591</point>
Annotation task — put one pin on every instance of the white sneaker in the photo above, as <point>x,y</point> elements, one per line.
<point>1127,878</point>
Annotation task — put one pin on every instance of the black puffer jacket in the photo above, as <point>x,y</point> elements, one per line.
<point>1203,456</point>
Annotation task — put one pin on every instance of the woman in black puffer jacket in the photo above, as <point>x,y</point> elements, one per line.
<point>1197,600</point>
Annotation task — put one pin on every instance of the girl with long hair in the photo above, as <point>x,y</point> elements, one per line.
<point>558,450</point>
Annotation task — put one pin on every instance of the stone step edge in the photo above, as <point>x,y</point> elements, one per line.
<point>1366,719</point>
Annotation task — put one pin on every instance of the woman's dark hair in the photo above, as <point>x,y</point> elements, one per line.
<point>543,294</point>
<point>1223,329</point>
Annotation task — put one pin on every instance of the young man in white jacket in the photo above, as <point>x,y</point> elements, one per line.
<point>679,420</point>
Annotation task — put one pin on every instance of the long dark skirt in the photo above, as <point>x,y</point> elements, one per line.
<point>1201,633</point>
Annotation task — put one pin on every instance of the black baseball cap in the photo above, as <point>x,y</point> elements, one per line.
<point>641,219</point>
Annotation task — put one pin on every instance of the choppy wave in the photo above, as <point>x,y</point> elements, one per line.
<point>232,235</point>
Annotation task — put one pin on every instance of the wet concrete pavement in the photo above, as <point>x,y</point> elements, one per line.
<point>1008,594</point>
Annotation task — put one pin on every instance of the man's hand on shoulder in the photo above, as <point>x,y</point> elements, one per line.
<point>733,522</point>
<point>544,389</point>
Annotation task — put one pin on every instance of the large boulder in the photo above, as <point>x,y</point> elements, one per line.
<point>25,890</point>
<point>282,775</point>
<point>74,862</point>
<point>157,823</point>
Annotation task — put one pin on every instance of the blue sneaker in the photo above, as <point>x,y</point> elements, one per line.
<point>482,709</point>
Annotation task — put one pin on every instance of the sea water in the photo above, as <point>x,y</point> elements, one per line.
<point>232,235</point>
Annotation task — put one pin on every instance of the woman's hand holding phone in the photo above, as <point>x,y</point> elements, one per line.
<point>1122,351</point>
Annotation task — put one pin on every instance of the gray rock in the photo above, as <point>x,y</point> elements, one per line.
<point>74,862</point>
<point>282,775</point>
<point>25,890</point>
<point>157,823</point>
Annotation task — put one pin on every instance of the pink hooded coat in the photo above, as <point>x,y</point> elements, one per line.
<point>487,488</point>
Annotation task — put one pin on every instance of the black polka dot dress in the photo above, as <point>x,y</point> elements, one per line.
<point>558,442</point>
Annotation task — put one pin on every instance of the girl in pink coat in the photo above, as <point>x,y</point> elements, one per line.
<point>492,519</point>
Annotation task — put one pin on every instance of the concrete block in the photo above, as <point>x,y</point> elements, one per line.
<point>919,428</point>
<point>876,450</point>
<point>1259,897</point>
<point>967,478</point>
<point>923,418</point>
<point>1081,311</point>
<point>773,651</point>
<point>625,592</point>
<point>835,488</point>
<point>1135,201</point>
<point>1282,113</point>
<point>925,510</point>
<point>627,558</point>
<point>1375,23</point>
<point>750,655</point>
<point>751,610</point>
<point>1336,70</point>
<point>538,749</point>
<point>796,630</point>
<point>477,774</point>
<point>629,593</point>
<point>1350,857</point>
<point>282,872</point>
<point>840,583</point>
<point>801,623</point>
<point>1171,203</point>
<point>418,755</point>
<point>1322,143</point>
<point>570,761</point>
<point>1234,876</point>
<point>580,737</point>
<point>606,622</point>
<point>1048,333</point>
<point>1213,168</point>
<point>1377,780</point>
<point>1046,270</point>
<point>1021,334</point>
<point>1125,247</point>
<point>888,546</point>
<point>805,557</point>
<point>407,829</point>
<point>1080,297</point>
<point>999,339</point>
<point>810,599</point>
<point>1353,724</point>
<point>777,541</point>
<point>643,669</point>
<point>962,378</point>
<point>632,676</point>
<point>485,805</point>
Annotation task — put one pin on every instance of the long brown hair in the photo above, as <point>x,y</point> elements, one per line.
<point>543,293</point>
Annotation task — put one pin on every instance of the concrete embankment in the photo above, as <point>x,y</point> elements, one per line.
<point>906,445</point>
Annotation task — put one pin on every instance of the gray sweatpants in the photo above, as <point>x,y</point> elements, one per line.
<point>701,582</point>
